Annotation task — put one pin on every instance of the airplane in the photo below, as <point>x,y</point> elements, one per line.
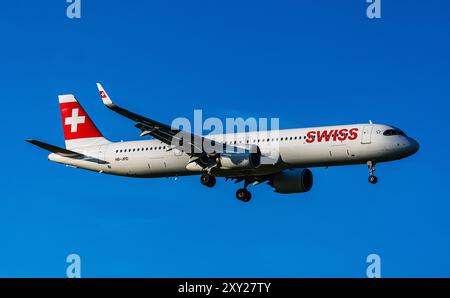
<point>282,158</point>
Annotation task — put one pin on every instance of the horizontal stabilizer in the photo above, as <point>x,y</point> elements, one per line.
<point>55,149</point>
<point>64,152</point>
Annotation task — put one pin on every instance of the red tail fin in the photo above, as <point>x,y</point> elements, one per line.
<point>79,130</point>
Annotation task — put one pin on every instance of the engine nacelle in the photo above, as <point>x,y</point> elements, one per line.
<point>236,161</point>
<point>293,181</point>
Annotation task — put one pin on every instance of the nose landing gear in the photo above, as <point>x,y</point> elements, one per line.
<point>372,178</point>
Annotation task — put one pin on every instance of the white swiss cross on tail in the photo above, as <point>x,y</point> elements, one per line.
<point>79,130</point>
<point>74,120</point>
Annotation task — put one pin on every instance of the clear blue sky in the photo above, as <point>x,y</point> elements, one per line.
<point>307,62</point>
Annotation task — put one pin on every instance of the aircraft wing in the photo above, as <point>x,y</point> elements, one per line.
<point>171,136</point>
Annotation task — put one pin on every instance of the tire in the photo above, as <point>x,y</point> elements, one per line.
<point>243,195</point>
<point>212,181</point>
<point>373,179</point>
<point>207,180</point>
<point>248,196</point>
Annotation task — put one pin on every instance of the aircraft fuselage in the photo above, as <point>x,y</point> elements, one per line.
<point>291,148</point>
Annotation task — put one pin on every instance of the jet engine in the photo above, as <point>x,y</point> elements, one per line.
<point>249,158</point>
<point>292,181</point>
<point>235,161</point>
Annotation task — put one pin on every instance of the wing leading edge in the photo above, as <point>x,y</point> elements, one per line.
<point>191,144</point>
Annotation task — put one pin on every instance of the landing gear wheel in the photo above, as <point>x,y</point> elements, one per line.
<point>207,180</point>
<point>372,178</point>
<point>243,195</point>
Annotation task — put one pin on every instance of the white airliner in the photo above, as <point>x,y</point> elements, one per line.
<point>281,157</point>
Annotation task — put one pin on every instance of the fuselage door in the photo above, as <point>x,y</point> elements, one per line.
<point>367,134</point>
<point>102,152</point>
<point>339,152</point>
<point>177,152</point>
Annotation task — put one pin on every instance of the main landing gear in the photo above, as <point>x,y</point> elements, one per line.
<point>208,180</point>
<point>242,194</point>
<point>372,178</point>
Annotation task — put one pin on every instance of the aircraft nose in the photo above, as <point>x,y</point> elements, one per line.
<point>413,146</point>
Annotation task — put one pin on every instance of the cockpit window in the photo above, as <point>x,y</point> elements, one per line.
<point>394,132</point>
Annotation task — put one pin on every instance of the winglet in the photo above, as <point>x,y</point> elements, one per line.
<point>106,100</point>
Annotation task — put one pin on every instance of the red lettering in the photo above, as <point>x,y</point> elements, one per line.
<point>343,134</point>
<point>310,136</point>
<point>335,133</point>
<point>323,135</point>
<point>353,134</point>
